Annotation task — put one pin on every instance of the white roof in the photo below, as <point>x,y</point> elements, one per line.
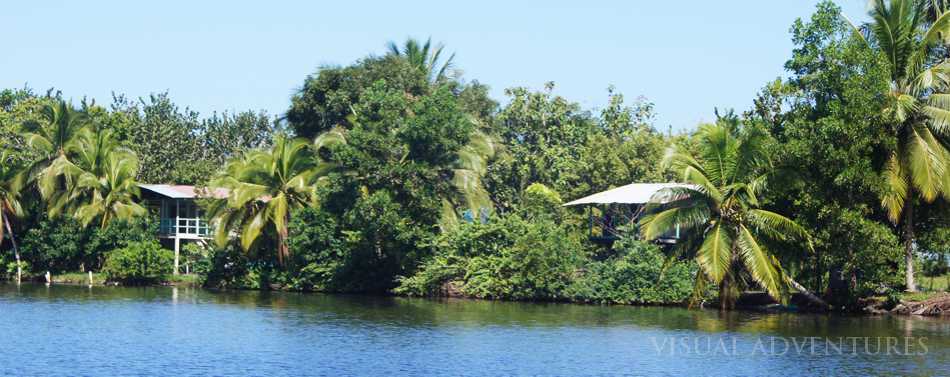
<point>185,192</point>
<point>634,193</point>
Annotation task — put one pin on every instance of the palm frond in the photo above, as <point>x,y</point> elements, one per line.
<point>714,256</point>
<point>895,188</point>
<point>759,264</point>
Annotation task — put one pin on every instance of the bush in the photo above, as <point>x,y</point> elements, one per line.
<point>119,234</point>
<point>633,276</point>
<point>318,251</point>
<point>138,263</point>
<point>510,258</point>
<point>226,267</point>
<point>55,245</point>
<point>62,245</point>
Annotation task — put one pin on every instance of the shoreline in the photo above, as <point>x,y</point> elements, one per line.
<point>902,309</point>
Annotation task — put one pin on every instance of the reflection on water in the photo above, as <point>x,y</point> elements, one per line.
<point>66,330</point>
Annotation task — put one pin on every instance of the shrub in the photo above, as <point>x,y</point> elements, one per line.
<point>226,267</point>
<point>55,245</point>
<point>318,251</point>
<point>119,234</point>
<point>510,258</point>
<point>138,263</point>
<point>633,276</point>
<point>62,245</point>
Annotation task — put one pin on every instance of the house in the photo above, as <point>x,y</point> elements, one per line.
<point>181,219</point>
<point>610,210</point>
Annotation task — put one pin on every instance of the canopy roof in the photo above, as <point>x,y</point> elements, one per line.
<point>634,193</point>
<point>185,192</point>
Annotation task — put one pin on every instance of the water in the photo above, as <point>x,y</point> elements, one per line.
<point>109,331</point>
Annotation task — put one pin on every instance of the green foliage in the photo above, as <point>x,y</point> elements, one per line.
<point>225,267</point>
<point>510,258</point>
<point>425,57</point>
<point>836,92</point>
<point>138,263</point>
<point>552,141</point>
<point>327,98</point>
<point>320,252</point>
<point>636,274</point>
<point>117,235</point>
<point>55,245</point>
<point>867,252</point>
<point>517,259</point>
<point>265,186</point>
<point>63,245</point>
<point>725,229</point>
<point>178,146</point>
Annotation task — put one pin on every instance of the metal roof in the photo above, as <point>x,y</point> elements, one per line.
<point>184,192</point>
<point>634,193</point>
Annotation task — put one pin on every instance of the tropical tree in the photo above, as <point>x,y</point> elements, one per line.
<point>468,172</point>
<point>10,184</point>
<point>104,173</point>
<point>719,213</point>
<point>50,139</point>
<point>425,57</point>
<point>265,187</point>
<point>912,35</point>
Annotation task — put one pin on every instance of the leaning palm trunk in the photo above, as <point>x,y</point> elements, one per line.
<point>805,292</point>
<point>16,251</point>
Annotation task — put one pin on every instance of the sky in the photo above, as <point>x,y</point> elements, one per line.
<point>687,57</point>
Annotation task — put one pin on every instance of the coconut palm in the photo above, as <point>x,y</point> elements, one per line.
<point>50,138</point>
<point>104,176</point>
<point>912,36</point>
<point>265,187</point>
<point>10,184</point>
<point>467,173</point>
<point>719,213</point>
<point>425,57</point>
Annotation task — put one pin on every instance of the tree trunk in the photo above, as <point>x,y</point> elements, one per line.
<point>908,235</point>
<point>804,291</point>
<point>16,251</point>
<point>283,250</point>
<point>725,301</point>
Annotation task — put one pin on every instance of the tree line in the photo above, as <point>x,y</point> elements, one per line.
<point>396,174</point>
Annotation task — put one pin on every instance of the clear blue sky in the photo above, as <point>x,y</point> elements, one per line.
<point>686,56</point>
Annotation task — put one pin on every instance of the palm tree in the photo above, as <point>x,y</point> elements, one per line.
<point>10,184</point>
<point>467,173</point>
<point>265,187</point>
<point>51,139</point>
<point>725,230</point>
<point>104,173</point>
<point>912,36</point>
<point>425,57</point>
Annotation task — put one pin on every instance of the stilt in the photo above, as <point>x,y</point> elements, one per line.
<point>177,253</point>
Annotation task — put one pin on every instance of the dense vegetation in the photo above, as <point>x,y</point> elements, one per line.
<point>395,174</point>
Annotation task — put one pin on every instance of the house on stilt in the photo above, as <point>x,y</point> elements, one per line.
<point>181,219</point>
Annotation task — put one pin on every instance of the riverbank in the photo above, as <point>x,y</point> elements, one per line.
<point>99,279</point>
<point>933,304</point>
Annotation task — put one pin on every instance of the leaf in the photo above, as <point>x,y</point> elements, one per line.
<point>759,264</point>
<point>715,254</point>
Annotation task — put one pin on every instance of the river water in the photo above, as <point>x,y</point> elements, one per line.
<point>111,331</point>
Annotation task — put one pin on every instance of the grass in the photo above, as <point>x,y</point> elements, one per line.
<point>82,278</point>
<point>183,279</point>
<point>936,284</point>
<point>929,287</point>
<point>78,278</point>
